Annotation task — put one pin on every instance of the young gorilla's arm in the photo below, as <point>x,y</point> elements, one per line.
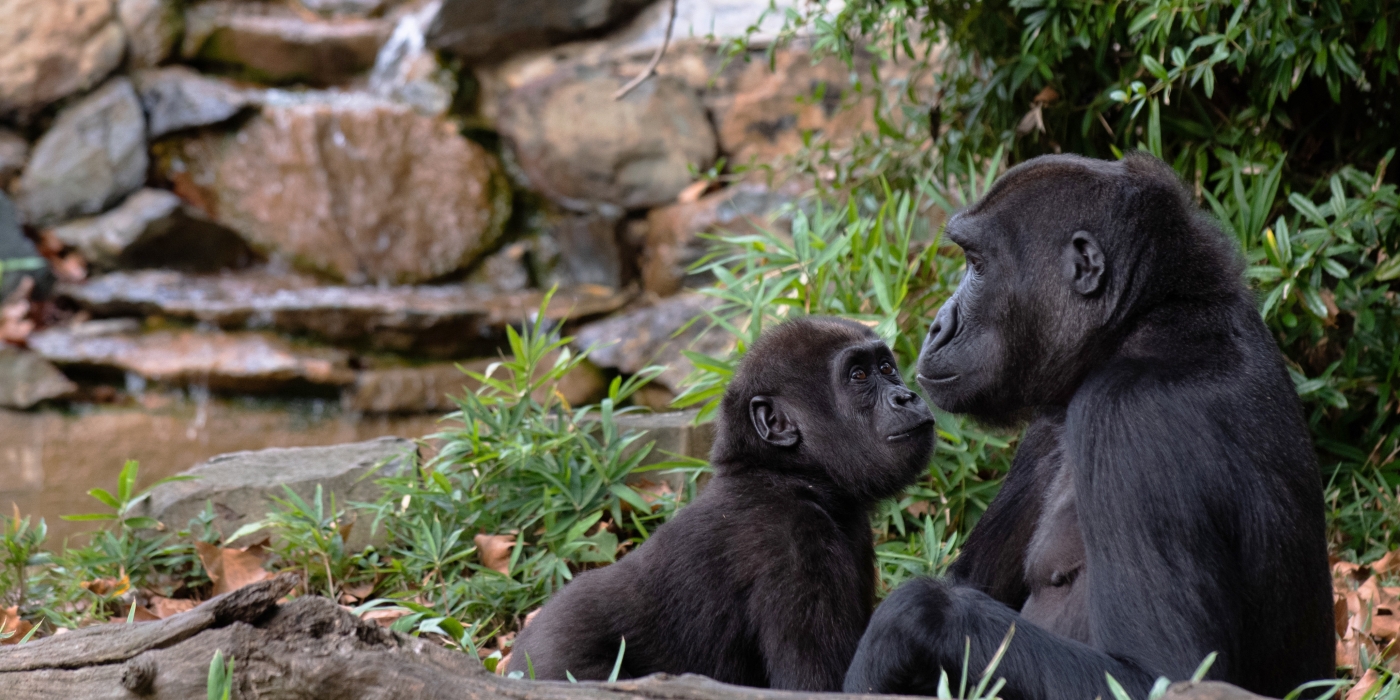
<point>809,610</point>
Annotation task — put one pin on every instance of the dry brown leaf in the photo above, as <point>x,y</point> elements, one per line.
<point>384,617</point>
<point>12,625</point>
<point>165,607</point>
<point>1046,95</point>
<point>1362,686</point>
<point>653,492</point>
<point>502,666</point>
<point>693,192</point>
<point>15,325</point>
<point>530,617</point>
<point>920,507</point>
<point>1386,564</point>
<point>231,569</point>
<point>108,587</point>
<point>494,551</point>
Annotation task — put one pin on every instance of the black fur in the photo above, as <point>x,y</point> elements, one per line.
<point>767,579</point>
<point>1165,502</point>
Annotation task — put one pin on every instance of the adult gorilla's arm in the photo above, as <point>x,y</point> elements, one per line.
<point>1157,492</point>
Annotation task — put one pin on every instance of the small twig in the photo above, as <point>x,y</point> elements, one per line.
<point>655,58</point>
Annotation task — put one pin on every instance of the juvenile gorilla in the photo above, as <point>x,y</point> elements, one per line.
<point>767,578</point>
<point>1165,502</point>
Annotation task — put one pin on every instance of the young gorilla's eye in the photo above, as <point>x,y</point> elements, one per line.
<point>858,374</point>
<point>886,369</point>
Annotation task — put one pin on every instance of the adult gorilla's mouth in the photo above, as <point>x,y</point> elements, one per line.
<point>898,437</point>
<point>930,383</point>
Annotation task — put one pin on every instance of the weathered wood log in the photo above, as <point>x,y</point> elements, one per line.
<point>312,649</point>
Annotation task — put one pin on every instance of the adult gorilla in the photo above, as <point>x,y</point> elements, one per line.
<point>1165,501</point>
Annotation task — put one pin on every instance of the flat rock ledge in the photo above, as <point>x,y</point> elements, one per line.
<point>433,320</point>
<point>312,649</point>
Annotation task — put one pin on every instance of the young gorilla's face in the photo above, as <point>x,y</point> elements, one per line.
<point>844,409</point>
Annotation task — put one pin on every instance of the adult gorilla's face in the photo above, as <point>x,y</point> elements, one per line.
<point>1016,332</point>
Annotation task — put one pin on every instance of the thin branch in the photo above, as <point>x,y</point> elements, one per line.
<point>655,58</point>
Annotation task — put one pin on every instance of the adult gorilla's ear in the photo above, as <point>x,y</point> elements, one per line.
<point>1085,264</point>
<point>772,423</point>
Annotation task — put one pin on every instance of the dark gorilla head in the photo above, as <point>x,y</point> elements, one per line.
<point>822,398</point>
<point>1064,253</point>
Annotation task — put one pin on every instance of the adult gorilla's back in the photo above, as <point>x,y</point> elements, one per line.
<point>1165,502</point>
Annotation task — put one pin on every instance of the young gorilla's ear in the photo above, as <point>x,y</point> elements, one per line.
<point>772,422</point>
<point>1085,263</point>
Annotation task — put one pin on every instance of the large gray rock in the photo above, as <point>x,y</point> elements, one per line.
<point>443,321</point>
<point>178,98</point>
<point>26,379</point>
<point>489,30</point>
<point>154,228</point>
<point>152,27</point>
<point>242,362</point>
<point>588,250</point>
<point>429,388</point>
<point>50,49</point>
<point>241,485</point>
<point>271,43</point>
<point>14,246</point>
<point>14,153</point>
<point>352,186</point>
<point>580,147</point>
<point>92,156</point>
<point>631,341</point>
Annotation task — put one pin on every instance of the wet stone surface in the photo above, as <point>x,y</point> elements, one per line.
<point>432,320</point>
<point>242,362</point>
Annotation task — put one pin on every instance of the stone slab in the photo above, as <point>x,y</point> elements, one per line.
<point>434,320</point>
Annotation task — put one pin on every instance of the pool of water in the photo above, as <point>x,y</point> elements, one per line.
<point>50,459</point>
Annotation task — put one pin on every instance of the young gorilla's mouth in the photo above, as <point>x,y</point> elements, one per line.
<point>897,437</point>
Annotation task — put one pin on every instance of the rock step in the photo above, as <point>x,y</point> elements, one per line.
<point>439,321</point>
<point>244,362</point>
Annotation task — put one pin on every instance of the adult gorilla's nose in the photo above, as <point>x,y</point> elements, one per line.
<point>902,397</point>
<point>944,326</point>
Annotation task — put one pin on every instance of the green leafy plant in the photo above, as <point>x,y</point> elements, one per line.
<point>220,683</point>
<point>514,461</point>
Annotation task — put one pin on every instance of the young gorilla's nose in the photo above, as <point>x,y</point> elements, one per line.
<point>944,325</point>
<point>902,397</point>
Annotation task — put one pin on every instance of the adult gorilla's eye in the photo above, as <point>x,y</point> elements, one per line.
<point>858,374</point>
<point>886,369</point>
<point>975,262</point>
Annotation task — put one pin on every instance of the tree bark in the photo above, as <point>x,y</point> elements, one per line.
<point>312,649</point>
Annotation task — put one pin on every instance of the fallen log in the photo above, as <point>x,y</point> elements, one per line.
<point>312,649</point>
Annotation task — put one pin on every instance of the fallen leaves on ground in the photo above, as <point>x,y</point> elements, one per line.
<point>1367,614</point>
<point>231,569</point>
<point>494,551</point>
<point>12,625</point>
